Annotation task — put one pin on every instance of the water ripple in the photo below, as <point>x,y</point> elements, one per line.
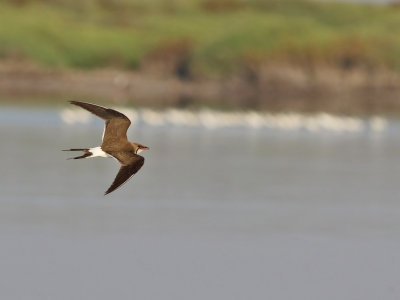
<point>211,119</point>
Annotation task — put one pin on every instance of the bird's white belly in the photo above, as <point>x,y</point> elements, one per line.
<point>97,152</point>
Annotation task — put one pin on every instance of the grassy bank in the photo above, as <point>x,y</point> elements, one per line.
<point>199,37</point>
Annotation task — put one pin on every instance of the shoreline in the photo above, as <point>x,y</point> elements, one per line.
<point>272,87</point>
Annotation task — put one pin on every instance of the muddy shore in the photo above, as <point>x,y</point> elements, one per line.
<point>272,87</point>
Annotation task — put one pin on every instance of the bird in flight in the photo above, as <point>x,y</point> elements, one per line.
<point>115,144</point>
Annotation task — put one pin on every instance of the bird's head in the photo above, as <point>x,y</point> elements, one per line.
<point>139,147</point>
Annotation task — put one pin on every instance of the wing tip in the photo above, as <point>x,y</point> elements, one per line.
<point>77,103</point>
<point>109,190</point>
<point>80,103</point>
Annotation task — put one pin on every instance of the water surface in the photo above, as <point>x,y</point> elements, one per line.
<point>222,213</point>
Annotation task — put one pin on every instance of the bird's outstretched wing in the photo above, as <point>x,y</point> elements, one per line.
<point>130,165</point>
<point>100,111</point>
<point>116,123</point>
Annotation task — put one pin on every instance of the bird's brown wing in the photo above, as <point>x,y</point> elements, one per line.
<point>116,123</point>
<point>115,134</point>
<point>130,165</point>
<point>100,111</point>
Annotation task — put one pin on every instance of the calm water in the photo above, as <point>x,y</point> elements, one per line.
<point>213,214</point>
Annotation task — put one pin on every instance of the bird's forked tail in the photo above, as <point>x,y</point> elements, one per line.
<point>86,154</point>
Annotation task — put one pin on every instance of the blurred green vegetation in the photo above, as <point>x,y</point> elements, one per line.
<point>200,37</point>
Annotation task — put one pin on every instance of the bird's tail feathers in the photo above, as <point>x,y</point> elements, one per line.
<point>86,154</point>
<point>77,149</point>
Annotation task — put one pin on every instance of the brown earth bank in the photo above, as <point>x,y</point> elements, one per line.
<point>269,87</point>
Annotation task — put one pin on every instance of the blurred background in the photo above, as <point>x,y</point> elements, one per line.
<point>274,138</point>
